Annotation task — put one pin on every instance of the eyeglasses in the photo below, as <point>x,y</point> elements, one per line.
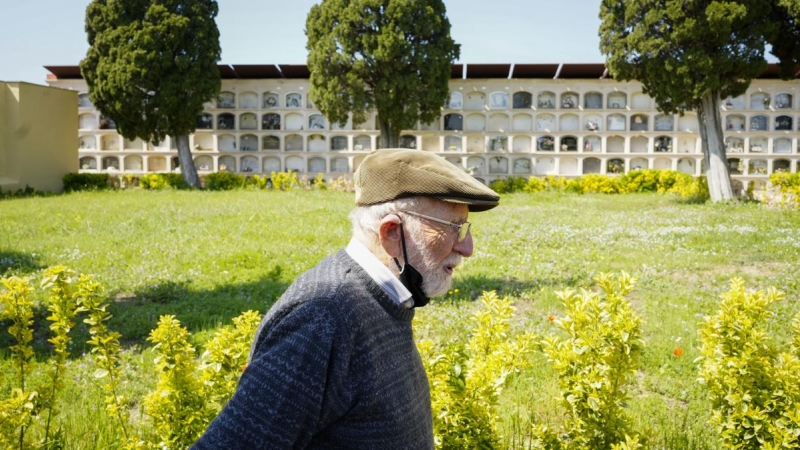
<point>463,228</point>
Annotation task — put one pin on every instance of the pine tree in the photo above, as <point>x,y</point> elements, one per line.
<point>390,55</point>
<point>150,67</point>
<point>689,55</point>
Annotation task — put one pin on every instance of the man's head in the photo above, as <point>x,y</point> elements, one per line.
<point>415,204</point>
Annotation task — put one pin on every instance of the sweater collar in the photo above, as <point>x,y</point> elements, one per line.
<point>381,297</point>
<point>379,273</point>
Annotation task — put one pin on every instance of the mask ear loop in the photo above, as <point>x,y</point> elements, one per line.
<point>405,255</point>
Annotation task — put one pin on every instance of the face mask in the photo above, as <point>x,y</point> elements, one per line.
<point>410,277</point>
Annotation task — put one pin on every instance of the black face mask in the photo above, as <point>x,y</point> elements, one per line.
<point>410,277</point>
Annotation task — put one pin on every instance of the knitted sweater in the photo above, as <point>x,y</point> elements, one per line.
<point>333,366</point>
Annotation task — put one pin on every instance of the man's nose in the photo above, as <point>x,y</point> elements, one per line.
<point>464,248</point>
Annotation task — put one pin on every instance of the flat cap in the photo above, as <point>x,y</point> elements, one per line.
<point>390,174</point>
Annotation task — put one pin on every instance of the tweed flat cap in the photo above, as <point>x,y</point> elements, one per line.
<point>390,174</point>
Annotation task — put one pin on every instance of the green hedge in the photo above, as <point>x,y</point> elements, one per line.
<point>85,182</point>
<point>224,181</point>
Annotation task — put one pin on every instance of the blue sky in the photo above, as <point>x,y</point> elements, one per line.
<point>37,33</point>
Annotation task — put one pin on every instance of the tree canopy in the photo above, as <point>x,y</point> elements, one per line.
<point>688,54</point>
<point>786,45</point>
<point>391,55</point>
<point>151,65</point>
<point>681,51</point>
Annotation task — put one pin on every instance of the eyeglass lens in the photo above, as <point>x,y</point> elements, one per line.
<point>462,232</point>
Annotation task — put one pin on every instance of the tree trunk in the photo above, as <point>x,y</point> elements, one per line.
<point>390,138</point>
<point>717,171</point>
<point>187,164</point>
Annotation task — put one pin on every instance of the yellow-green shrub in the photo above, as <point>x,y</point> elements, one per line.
<point>599,184</point>
<point>258,181</point>
<point>509,184</point>
<point>318,183</point>
<point>595,361</point>
<point>535,184</point>
<point>753,386</point>
<point>62,308</point>
<point>465,382</point>
<point>190,391</point>
<point>106,349</point>
<point>17,306</point>
<point>284,181</point>
<point>643,180</point>
<point>17,412</point>
<point>177,406</point>
<point>563,184</point>
<point>157,181</point>
<point>225,357</point>
<point>789,185</point>
<point>785,179</point>
<point>688,187</point>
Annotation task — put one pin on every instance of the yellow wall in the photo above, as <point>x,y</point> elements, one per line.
<point>7,114</point>
<point>37,132</point>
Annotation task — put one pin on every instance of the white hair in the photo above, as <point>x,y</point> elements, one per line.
<point>366,219</point>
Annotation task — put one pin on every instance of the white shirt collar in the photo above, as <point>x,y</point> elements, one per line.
<point>379,273</point>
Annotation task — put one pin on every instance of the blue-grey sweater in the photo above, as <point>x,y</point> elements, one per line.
<point>333,366</point>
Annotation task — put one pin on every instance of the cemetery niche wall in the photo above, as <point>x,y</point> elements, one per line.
<point>498,120</point>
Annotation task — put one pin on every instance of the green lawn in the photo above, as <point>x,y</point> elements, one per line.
<point>207,256</point>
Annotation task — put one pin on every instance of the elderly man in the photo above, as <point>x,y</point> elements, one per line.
<point>333,364</point>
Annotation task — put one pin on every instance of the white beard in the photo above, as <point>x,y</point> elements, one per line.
<point>435,280</point>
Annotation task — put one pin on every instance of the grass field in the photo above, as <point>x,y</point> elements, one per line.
<point>206,257</point>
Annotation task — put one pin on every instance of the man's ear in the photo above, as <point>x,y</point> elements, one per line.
<point>389,234</point>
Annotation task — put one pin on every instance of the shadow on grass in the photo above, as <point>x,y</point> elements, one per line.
<point>136,314</point>
<point>470,288</point>
<point>13,262</point>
